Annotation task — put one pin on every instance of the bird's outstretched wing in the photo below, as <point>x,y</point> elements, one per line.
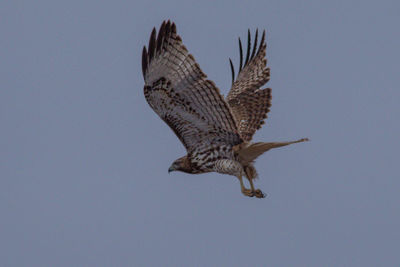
<point>249,103</point>
<point>178,91</point>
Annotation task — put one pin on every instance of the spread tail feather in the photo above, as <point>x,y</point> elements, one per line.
<point>252,151</point>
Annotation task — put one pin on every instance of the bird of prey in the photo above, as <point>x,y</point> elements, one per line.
<point>216,132</point>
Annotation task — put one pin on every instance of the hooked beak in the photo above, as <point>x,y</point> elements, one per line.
<point>171,169</point>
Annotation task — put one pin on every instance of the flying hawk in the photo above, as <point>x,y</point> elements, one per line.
<point>216,132</point>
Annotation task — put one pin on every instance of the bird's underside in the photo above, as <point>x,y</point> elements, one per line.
<point>216,132</point>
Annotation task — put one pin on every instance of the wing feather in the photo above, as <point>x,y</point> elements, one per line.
<point>179,92</point>
<point>249,103</point>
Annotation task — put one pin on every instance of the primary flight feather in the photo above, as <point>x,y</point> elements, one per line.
<point>216,132</point>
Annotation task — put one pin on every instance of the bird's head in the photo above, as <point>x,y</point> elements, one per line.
<point>182,164</point>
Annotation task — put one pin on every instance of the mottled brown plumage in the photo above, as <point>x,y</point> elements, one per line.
<point>215,132</point>
<point>248,102</point>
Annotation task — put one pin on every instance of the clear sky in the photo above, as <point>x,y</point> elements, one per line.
<point>84,159</point>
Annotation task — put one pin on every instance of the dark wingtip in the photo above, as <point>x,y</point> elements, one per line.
<point>248,46</point>
<point>160,36</point>
<point>254,46</point>
<point>173,27</point>
<point>152,44</point>
<point>232,70</point>
<point>167,30</point>
<point>251,52</point>
<point>144,61</point>
<point>156,43</point>
<point>241,55</point>
<point>262,41</point>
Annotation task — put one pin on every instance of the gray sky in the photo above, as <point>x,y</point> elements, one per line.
<point>83,158</point>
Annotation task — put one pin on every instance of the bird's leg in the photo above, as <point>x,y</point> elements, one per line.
<point>233,167</point>
<point>257,192</point>
<point>245,191</point>
<point>279,144</point>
